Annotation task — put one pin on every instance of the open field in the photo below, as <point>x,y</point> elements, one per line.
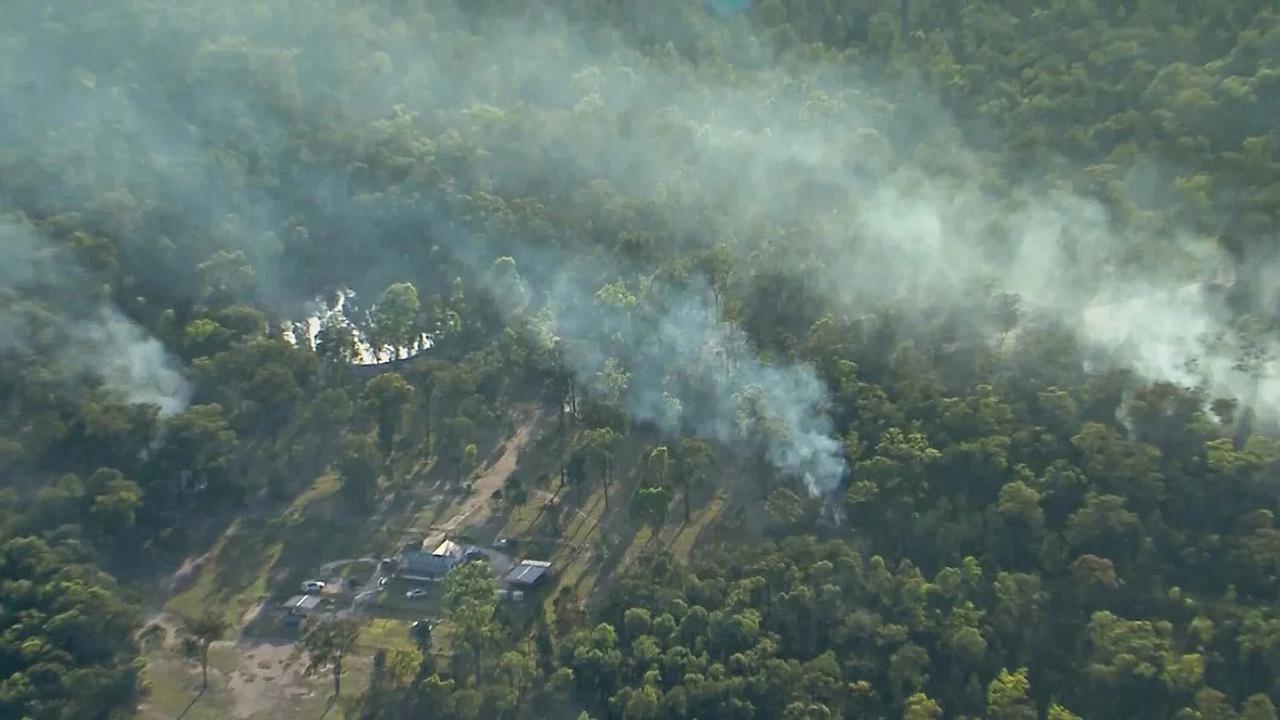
<point>248,680</point>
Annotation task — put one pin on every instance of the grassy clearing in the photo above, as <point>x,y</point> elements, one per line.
<point>681,545</point>
<point>246,681</point>
<point>323,487</point>
<point>172,685</point>
<point>386,634</point>
<point>574,559</point>
<point>239,573</point>
<point>641,545</point>
<point>235,578</point>
<point>524,517</point>
<point>360,569</point>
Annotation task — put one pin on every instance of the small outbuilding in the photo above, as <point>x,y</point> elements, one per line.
<point>528,574</point>
<point>299,606</point>
<point>303,604</point>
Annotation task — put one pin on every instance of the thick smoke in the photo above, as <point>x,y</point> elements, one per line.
<point>48,314</point>
<point>791,164</point>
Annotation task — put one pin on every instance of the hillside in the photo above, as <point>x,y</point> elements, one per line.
<point>885,359</point>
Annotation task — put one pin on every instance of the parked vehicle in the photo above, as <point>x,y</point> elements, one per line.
<point>420,630</point>
<point>312,586</point>
<point>416,593</point>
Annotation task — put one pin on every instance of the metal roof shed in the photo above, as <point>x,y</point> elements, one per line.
<point>302,603</point>
<point>528,573</point>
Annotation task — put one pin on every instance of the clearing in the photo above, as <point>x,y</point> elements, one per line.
<point>258,561</point>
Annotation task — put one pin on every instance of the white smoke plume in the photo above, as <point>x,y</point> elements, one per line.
<point>48,315</point>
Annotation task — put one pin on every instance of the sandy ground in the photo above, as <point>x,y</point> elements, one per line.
<point>249,679</point>
<point>477,507</point>
<point>267,680</point>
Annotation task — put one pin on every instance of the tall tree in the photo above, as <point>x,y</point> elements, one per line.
<point>598,444</point>
<point>395,319</point>
<point>358,467</point>
<point>694,458</point>
<point>327,643</point>
<point>198,636</point>
<point>386,399</point>
<point>471,598</point>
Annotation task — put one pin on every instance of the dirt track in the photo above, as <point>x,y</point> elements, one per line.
<point>476,508</point>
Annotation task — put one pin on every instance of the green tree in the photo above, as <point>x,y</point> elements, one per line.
<point>198,636</point>
<point>1009,697</point>
<point>785,507</point>
<point>694,459</point>
<point>116,502</point>
<point>327,642</point>
<point>650,504</point>
<point>598,444</point>
<point>336,341</point>
<point>1058,712</point>
<point>386,399</point>
<point>471,599</point>
<point>1258,707</point>
<point>358,467</point>
<point>395,318</point>
<point>200,447</point>
<point>921,707</point>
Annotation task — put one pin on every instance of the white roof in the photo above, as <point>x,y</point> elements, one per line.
<point>303,602</point>
<point>448,547</point>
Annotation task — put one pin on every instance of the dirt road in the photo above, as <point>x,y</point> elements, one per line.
<point>476,508</point>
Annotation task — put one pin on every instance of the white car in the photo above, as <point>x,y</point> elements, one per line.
<point>416,593</point>
<point>312,586</point>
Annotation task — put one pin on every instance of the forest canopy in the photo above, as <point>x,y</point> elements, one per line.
<point>967,308</point>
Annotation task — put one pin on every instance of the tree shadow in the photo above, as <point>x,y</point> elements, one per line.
<point>240,559</point>
<point>191,704</point>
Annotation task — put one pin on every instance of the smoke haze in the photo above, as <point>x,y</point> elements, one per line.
<point>75,329</point>
<point>870,193</point>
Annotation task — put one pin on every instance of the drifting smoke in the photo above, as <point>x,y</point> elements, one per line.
<point>104,345</point>
<point>795,165</point>
<point>688,371</point>
<point>128,360</point>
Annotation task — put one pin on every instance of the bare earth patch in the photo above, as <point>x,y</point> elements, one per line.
<point>477,507</point>
<point>248,680</point>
